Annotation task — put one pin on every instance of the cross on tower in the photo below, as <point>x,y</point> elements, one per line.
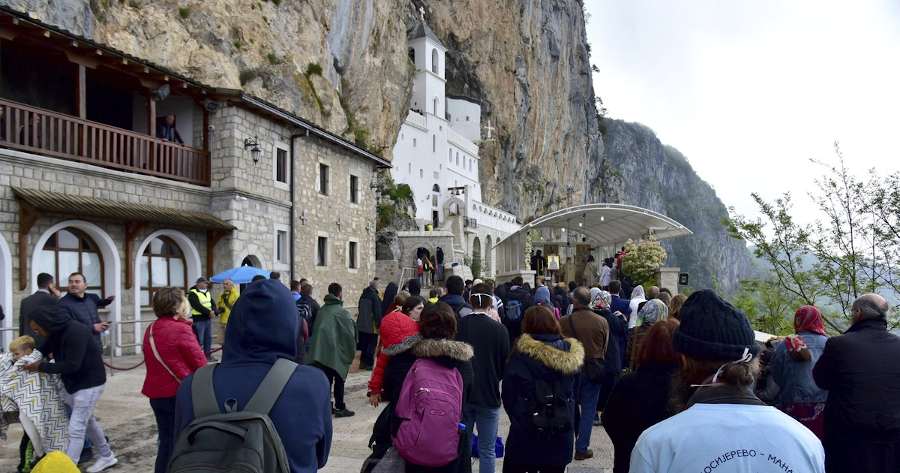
<point>422,14</point>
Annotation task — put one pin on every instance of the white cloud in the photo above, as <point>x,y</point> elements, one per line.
<point>749,91</point>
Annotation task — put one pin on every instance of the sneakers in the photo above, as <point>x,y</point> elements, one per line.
<point>102,464</point>
<point>344,413</point>
<point>584,455</point>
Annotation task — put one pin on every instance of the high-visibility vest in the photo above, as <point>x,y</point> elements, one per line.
<point>205,299</point>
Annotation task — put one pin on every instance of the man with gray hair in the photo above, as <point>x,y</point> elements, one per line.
<point>861,372</point>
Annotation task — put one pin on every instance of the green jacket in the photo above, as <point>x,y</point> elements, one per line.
<point>333,344</point>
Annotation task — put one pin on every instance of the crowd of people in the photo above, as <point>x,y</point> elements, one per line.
<point>679,383</point>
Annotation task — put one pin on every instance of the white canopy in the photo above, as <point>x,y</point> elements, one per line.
<point>601,224</point>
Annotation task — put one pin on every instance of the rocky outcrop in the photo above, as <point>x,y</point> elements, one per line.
<point>639,170</point>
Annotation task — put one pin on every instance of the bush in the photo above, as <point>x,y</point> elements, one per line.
<point>184,12</point>
<point>313,69</point>
<point>643,259</point>
<point>273,59</point>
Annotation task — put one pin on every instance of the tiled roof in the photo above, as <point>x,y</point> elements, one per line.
<point>56,202</point>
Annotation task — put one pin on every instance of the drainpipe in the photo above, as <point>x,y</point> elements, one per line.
<point>293,202</point>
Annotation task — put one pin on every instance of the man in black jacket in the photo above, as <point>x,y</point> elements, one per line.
<point>454,297</point>
<point>46,295</point>
<point>83,306</point>
<point>518,292</point>
<point>306,290</point>
<point>78,361</point>
<point>367,323</point>
<point>491,344</point>
<point>860,371</point>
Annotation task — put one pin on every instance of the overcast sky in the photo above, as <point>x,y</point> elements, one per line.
<point>750,90</point>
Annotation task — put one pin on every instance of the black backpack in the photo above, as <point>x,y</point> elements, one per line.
<point>550,409</point>
<point>233,441</point>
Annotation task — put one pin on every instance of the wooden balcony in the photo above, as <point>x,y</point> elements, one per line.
<point>63,136</point>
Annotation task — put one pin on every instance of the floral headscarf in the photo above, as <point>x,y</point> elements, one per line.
<point>808,318</point>
<point>595,297</point>
<point>654,310</point>
<point>605,299</point>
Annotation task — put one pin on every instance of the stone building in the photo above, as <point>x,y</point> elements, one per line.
<point>87,184</point>
<point>436,154</point>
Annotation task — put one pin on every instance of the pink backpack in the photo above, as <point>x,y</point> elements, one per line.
<point>430,409</point>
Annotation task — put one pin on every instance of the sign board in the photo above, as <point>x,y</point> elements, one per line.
<point>682,279</point>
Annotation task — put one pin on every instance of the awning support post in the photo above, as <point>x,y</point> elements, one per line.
<point>131,231</point>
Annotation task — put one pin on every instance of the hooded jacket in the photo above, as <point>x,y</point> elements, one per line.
<point>553,359</point>
<point>333,344</point>
<point>369,311</point>
<point>450,353</point>
<point>76,352</point>
<point>263,328</point>
<point>395,328</point>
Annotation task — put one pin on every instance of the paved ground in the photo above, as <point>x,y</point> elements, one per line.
<point>128,420</point>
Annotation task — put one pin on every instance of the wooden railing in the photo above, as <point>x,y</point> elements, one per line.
<point>63,136</point>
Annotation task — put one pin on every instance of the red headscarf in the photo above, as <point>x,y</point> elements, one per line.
<point>808,318</point>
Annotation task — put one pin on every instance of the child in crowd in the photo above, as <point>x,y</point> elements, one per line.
<point>36,397</point>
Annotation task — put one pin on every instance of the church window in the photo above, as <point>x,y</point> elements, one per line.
<point>434,62</point>
<point>421,173</point>
<point>467,118</point>
<point>435,106</point>
<point>414,142</point>
<point>434,143</point>
<point>450,156</point>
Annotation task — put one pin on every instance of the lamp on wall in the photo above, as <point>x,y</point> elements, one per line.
<point>252,144</point>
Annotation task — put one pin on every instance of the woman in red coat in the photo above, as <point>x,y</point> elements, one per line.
<point>398,325</point>
<point>171,353</point>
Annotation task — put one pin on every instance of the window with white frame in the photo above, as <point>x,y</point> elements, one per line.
<point>324,169</point>
<point>322,251</point>
<point>281,246</point>
<point>352,255</point>
<point>354,189</point>
<point>281,166</point>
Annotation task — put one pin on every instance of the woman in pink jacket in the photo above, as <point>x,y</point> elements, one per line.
<point>171,353</point>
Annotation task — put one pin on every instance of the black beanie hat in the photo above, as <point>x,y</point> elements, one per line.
<point>712,329</point>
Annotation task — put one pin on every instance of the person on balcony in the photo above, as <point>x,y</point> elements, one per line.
<point>166,130</point>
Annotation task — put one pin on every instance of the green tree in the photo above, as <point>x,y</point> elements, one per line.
<point>767,305</point>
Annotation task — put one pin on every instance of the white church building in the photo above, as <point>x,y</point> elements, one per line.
<point>436,154</point>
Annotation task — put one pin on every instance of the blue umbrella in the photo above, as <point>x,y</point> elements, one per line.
<point>240,275</point>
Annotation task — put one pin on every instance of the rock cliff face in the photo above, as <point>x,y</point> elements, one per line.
<point>638,169</point>
<point>343,64</point>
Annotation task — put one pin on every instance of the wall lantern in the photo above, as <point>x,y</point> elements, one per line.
<point>252,144</point>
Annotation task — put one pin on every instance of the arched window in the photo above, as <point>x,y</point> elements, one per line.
<point>435,188</point>
<point>434,143</point>
<point>435,105</point>
<point>162,265</point>
<point>450,156</point>
<point>68,251</point>
<point>434,62</point>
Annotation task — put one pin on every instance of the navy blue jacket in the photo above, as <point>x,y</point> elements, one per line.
<point>84,310</point>
<point>458,304</point>
<point>262,327</point>
<point>620,304</point>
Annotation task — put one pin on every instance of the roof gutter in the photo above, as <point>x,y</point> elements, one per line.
<point>313,130</point>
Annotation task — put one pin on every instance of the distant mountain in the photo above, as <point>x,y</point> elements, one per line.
<point>640,170</point>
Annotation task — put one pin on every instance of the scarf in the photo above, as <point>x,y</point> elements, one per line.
<point>808,318</point>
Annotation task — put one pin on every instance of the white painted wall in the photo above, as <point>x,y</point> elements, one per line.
<point>465,118</point>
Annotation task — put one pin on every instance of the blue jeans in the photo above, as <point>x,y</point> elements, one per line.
<point>589,394</point>
<point>203,329</point>
<point>164,411</point>
<point>487,420</point>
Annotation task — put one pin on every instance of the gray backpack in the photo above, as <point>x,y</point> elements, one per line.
<point>233,441</point>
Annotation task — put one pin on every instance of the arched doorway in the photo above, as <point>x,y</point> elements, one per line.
<point>164,258</point>
<point>6,292</point>
<point>489,257</point>
<point>476,258</point>
<point>96,256</point>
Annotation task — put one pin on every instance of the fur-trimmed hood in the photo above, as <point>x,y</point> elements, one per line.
<point>566,362</point>
<point>432,348</point>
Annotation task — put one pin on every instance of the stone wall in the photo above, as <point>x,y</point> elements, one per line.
<point>243,193</point>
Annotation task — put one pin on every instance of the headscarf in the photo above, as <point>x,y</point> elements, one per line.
<point>808,318</point>
<point>654,310</point>
<point>638,293</point>
<point>606,299</point>
<point>595,297</point>
<point>542,296</point>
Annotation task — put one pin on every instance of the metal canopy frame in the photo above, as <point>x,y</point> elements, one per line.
<point>602,224</point>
